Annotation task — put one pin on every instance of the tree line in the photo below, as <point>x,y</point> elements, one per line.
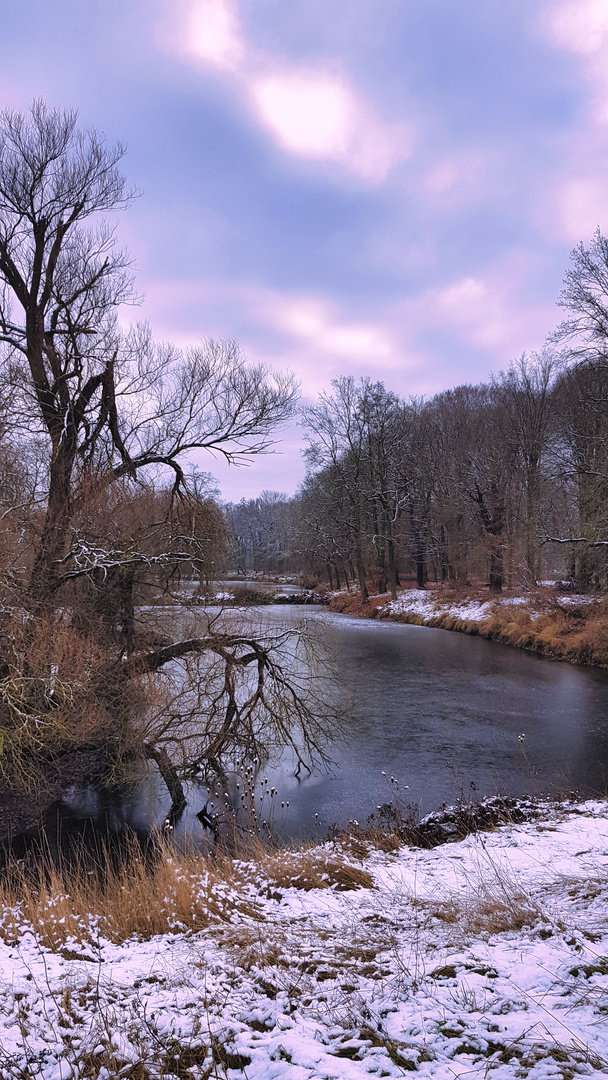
<point>504,483</point>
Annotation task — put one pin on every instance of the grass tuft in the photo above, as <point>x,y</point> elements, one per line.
<point>311,868</point>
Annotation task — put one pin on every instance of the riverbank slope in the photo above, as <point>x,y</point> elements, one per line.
<point>561,626</point>
<point>487,957</point>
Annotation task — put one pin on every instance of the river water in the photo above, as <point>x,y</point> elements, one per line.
<point>446,715</point>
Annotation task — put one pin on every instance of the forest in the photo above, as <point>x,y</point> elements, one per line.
<point>104,511</point>
<point>503,483</point>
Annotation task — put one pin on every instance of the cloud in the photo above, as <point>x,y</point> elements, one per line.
<point>317,115</point>
<point>214,34</point>
<point>463,177</point>
<point>489,319</point>
<point>578,201</point>
<point>310,116</point>
<point>490,313</point>
<point>312,112</point>
<point>581,27</point>
<point>578,207</point>
<point>318,323</point>
<point>308,334</point>
<point>478,313</point>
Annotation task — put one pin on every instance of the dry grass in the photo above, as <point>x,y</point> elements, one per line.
<point>352,604</point>
<point>578,634</point>
<point>492,901</point>
<point>575,633</point>
<point>359,841</point>
<point>173,892</point>
<point>497,914</point>
<point>485,915</point>
<point>118,900</point>
<point>310,868</point>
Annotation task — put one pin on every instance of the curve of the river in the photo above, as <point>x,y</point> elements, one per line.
<point>447,715</point>
<point>444,714</point>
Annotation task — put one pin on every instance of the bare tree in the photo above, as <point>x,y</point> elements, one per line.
<point>526,396</point>
<point>337,439</point>
<point>59,281</point>
<point>582,405</point>
<point>116,416</point>
<point>584,296</point>
<point>119,403</point>
<point>385,482</point>
<point>261,529</point>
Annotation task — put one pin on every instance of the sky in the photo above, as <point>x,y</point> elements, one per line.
<point>384,188</point>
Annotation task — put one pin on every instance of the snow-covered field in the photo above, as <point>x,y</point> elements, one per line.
<point>484,957</point>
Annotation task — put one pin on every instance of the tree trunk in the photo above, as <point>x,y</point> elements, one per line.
<point>420,565</point>
<point>493,523</point>
<point>361,572</point>
<point>380,551</point>
<point>419,552</point>
<point>51,549</point>
<point>392,565</point>
<point>444,563</point>
<point>362,582</point>
<point>496,565</point>
<point>533,561</point>
<point>174,785</point>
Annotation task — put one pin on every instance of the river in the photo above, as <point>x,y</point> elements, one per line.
<point>446,715</point>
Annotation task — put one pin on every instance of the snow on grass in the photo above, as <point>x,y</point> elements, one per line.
<point>427,605</point>
<point>487,957</point>
<point>576,598</point>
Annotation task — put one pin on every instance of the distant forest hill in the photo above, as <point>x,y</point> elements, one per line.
<point>504,483</point>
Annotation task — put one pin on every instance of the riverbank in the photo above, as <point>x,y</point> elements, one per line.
<point>484,956</point>
<point>562,626</point>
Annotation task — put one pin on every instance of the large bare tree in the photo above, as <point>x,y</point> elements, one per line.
<point>114,402</point>
<point>113,415</point>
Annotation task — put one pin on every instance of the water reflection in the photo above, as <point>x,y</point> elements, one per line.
<point>444,714</point>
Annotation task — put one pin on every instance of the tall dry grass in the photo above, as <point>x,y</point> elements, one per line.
<point>132,895</point>
<point>69,905</point>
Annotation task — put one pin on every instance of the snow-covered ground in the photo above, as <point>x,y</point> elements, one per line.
<point>429,605</point>
<point>486,957</point>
